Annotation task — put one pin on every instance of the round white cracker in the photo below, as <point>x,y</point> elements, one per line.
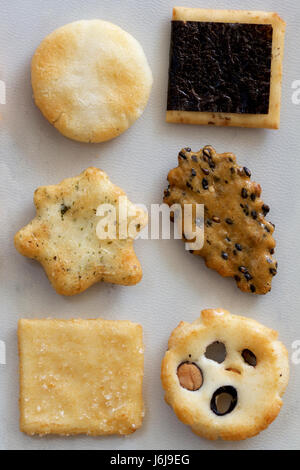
<point>91,80</point>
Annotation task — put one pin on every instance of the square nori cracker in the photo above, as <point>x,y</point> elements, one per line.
<point>220,67</point>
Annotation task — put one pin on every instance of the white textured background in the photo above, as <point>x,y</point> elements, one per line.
<point>176,285</point>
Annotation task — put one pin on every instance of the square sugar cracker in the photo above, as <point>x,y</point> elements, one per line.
<point>225,67</point>
<point>80,376</point>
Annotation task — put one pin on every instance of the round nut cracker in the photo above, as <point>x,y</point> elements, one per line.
<point>91,80</point>
<point>233,399</point>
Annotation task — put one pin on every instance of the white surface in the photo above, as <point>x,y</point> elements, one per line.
<point>176,285</point>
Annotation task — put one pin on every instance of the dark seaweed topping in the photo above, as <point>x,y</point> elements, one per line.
<point>220,67</point>
<point>224,255</point>
<point>247,172</point>
<point>244,193</point>
<point>64,209</point>
<point>238,247</point>
<point>265,208</point>
<point>205,183</point>
<point>229,221</point>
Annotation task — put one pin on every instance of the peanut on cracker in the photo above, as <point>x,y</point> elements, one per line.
<point>224,375</point>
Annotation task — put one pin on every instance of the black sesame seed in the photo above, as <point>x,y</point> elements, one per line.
<point>244,193</point>
<point>232,170</point>
<point>189,185</point>
<point>229,221</point>
<point>224,255</point>
<point>206,152</point>
<point>209,222</point>
<point>216,219</point>
<point>252,288</point>
<point>188,149</point>
<point>267,228</point>
<point>194,158</point>
<point>193,172</point>
<point>205,171</point>
<point>182,155</point>
<point>211,163</point>
<point>228,239</point>
<point>253,196</point>
<point>237,278</point>
<point>248,276</point>
<point>273,271</point>
<point>243,269</point>
<point>254,214</point>
<point>265,209</point>
<point>234,252</point>
<point>247,172</point>
<point>272,251</point>
<point>238,247</point>
<point>205,183</point>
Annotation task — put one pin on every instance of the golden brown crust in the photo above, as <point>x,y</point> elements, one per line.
<point>62,236</point>
<point>270,120</point>
<point>259,389</point>
<point>80,376</point>
<point>91,80</point>
<point>238,241</point>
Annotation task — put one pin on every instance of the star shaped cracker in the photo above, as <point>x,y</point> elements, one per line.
<point>64,237</point>
<point>238,240</point>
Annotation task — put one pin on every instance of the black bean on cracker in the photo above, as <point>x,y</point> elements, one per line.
<point>63,236</point>
<point>225,67</point>
<point>238,240</point>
